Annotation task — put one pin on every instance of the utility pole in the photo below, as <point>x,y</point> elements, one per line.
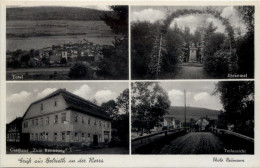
<point>159,57</point>
<point>185,108</point>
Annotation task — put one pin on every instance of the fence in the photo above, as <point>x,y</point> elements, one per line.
<point>148,139</point>
<point>223,131</point>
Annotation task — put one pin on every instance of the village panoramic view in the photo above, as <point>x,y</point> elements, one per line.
<point>45,43</point>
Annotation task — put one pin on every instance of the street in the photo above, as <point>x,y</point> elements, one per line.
<point>194,143</point>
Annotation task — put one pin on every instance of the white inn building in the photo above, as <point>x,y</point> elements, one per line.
<point>64,119</point>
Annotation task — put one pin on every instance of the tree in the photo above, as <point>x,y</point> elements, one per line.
<point>63,61</point>
<point>245,44</point>
<point>118,24</point>
<point>123,101</point>
<point>142,38</point>
<point>111,107</point>
<point>80,71</point>
<point>237,98</point>
<point>114,65</point>
<point>208,39</point>
<point>25,59</point>
<point>173,50</point>
<point>247,15</point>
<point>118,111</point>
<point>150,103</point>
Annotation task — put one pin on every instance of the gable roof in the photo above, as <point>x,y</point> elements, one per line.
<point>18,120</point>
<point>77,103</point>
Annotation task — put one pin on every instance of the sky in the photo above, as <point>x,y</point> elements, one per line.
<point>158,13</point>
<point>20,95</point>
<point>198,94</point>
<point>97,7</point>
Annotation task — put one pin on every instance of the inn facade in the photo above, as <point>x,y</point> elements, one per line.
<point>64,119</point>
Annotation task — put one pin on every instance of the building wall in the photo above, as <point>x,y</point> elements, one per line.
<point>53,124</point>
<point>46,107</point>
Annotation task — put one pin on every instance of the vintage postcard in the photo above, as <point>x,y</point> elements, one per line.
<point>129,84</point>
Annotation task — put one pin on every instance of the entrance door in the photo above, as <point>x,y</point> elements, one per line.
<point>95,140</point>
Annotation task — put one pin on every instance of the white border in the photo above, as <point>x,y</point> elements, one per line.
<point>131,160</point>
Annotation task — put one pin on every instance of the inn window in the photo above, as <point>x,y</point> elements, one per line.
<point>89,135</point>
<point>63,136</point>
<point>41,122</point>
<point>55,119</point>
<point>41,106</point>
<point>95,122</point>
<point>107,125</point>
<point>41,136</point>
<point>31,137</point>
<point>55,103</point>
<point>32,122</point>
<point>63,117</point>
<point>83,120</point>
<point>46,136</point>
<point>76,118</point>
<point>47,121</point>
<point>88,120</point>
<point>36,122</point>
<point>99,123</point>
<point>76,136</point>
<point>82,135</point>
<point>55,137</point>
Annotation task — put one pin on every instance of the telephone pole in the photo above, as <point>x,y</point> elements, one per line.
<point>185,108</point>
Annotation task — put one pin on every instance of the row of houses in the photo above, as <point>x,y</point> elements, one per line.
<point>60,54</point>
<point>61,119</point>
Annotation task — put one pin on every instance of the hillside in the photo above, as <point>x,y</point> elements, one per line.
<point>192,112</point>
<point>55,13</point>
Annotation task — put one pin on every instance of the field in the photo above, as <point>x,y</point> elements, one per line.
<point>28,35</point>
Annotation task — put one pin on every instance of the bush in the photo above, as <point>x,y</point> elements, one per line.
<point>80,71</point>
<point>217,65</point>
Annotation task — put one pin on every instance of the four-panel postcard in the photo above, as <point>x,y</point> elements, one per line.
<point>129,84</point>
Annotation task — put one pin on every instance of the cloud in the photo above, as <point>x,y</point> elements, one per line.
<point>201,96</point>
<point>45,92</point>
<point>176,97</point>
<point>104,95</point>
<point>83,91</point>
<point>35,90</point>
<point>150,15</point>
<point>99,7</point>
<point>19,97</point>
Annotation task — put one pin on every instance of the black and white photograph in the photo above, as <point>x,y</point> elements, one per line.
<point>66,118</point>
<point>198,117</point>
<point>192,42</point>
<point>77,42</point>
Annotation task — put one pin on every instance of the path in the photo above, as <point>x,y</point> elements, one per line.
<point>191,71</point>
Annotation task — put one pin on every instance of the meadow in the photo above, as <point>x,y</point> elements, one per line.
<point>26,35</point>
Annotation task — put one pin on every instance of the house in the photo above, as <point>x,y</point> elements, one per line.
<point>64,119</point>
<point>202,123</point>
<point>169,122</point>
<point>14,132</point>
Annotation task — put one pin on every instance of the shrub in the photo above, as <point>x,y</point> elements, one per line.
<point>217,65</point>
<point>80,71</point>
